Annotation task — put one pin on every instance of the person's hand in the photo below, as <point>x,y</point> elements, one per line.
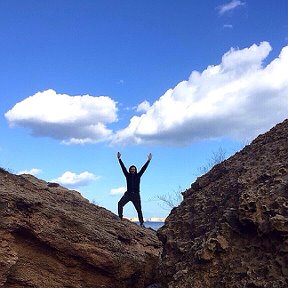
<point>118,155</point>
<point>149,156</point>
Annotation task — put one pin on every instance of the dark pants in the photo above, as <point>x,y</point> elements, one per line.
<point>135,199</point>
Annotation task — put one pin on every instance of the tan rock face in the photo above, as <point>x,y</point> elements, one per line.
<point>231,230</point>
<point>52,237</point>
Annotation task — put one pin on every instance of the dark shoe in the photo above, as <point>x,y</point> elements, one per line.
<point>142,225</point>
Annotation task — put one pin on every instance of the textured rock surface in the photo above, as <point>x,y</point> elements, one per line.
<point>231,230</point>
<point>52,237</point>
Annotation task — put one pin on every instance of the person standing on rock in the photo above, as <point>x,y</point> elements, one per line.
<point>133,188</point>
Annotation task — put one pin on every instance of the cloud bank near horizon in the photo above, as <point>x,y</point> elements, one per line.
<point>239,98</point>
<point>74,180</point>
<point>33,171</point>
<point>117,191</point>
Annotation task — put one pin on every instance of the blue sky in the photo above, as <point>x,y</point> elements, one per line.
<point>81,80</point>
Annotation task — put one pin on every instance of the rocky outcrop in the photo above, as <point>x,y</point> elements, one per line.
<point>231,230</point>
<point>53,237</point>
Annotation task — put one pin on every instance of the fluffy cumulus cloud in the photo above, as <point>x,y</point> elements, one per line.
<point>70,119</point>
<point>74,180</point>
<point>239,98</point>
<point>143,106</point>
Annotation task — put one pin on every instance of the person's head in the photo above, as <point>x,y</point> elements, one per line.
<point>132,169</point>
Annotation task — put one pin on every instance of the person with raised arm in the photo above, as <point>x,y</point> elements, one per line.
<point>133,187</point>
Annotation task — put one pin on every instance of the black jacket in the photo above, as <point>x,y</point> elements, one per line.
<point>133,180</point>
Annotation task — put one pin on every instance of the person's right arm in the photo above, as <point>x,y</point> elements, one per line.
<point>122,164</point>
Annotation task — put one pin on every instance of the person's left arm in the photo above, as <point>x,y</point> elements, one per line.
<point>145,165</point>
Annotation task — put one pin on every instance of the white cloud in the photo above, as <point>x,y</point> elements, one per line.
<point>238,98</point>
<point>71,119</point>
<point>33,171</point>
<point>143,106</point>
<point>71,179</point>
<point>117,191</point>
<point>229,26</point>
<point>121,82</point>
<point>222,9</point>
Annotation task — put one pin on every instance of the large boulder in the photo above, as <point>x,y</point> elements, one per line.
<point>53,237</point>
<point>231,230</point>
